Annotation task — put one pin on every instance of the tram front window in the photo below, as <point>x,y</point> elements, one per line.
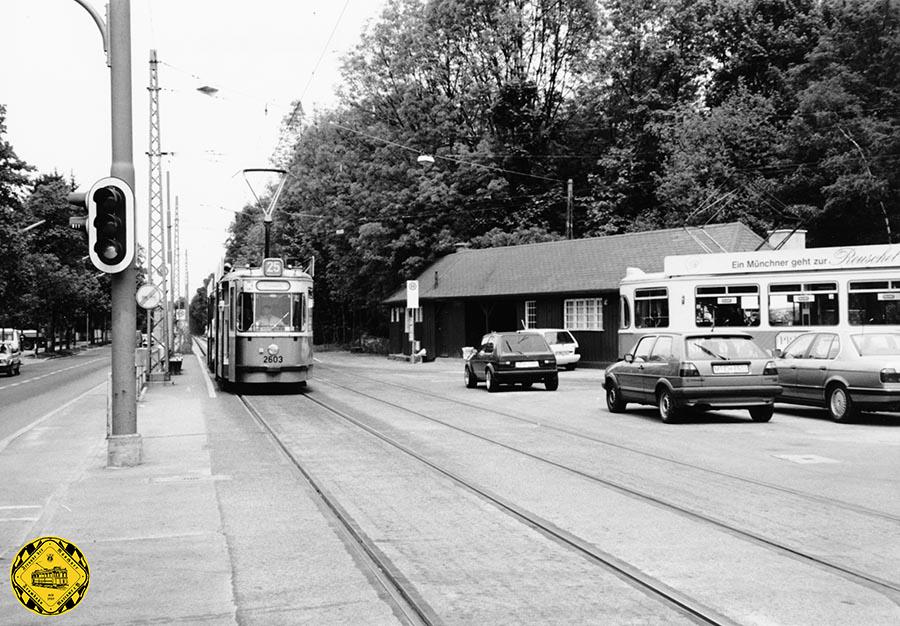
<point>272,312</point>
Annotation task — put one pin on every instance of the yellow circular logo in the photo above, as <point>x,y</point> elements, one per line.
<point>50,575</point>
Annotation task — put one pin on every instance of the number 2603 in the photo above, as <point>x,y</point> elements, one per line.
<point>273,359</point>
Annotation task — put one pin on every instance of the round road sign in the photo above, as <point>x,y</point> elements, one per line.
<point>148,296</point>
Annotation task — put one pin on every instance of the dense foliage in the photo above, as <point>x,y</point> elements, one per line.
<point>662,113</point>
<point>45,283</point>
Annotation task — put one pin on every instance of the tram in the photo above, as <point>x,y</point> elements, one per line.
<point>774,295</point>
<point>260,325</point>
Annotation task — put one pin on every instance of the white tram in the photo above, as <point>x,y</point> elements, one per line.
<point>772,294</point>
<point>260,325</point>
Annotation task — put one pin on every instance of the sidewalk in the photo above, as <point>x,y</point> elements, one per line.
<point>151,534</point>
<point>214,526</point>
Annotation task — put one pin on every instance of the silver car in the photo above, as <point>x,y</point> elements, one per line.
<point>844,371</point>
<point>695,370</point>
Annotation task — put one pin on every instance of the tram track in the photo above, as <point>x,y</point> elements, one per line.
<point>651,587</point>
<point>411,609</point>
<point>407,604</point>
<point>876,583</point>
<point>644,453</point>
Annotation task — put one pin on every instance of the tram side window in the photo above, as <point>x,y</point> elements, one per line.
<point>727,305</point>
<point>874,302</point>
<point>298,313</point>
<point>651,308</point>
<point>624,312</point>
<point>807,304</point>
<point>245,311</point>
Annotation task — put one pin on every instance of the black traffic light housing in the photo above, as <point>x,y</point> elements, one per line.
<point>110,224</point>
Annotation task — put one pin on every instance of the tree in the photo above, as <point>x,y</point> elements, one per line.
<point>845,132</point>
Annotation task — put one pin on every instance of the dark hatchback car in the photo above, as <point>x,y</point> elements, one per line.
<point>844,371</point>
<point>512,358</point>
<point>699,370</point>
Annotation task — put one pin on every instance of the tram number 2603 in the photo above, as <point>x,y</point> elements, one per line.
<point>273,358</point>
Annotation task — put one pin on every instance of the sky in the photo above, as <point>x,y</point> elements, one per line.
<point>261,55</point>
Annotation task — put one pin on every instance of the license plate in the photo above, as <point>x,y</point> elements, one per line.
<point>526,363</point>
<point>743,368</point>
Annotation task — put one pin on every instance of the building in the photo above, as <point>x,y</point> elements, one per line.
<point>561,284</point>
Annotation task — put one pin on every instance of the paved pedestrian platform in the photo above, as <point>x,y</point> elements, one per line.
<point>213,527</point>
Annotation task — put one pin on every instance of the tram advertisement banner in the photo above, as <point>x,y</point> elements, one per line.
<point>845,257</point>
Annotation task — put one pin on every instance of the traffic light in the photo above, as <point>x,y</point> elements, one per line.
<point>110,225</point>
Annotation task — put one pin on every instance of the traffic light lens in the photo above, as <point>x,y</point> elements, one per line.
<point>110,251</point>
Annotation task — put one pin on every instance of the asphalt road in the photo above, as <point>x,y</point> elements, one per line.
<point>46,384</point>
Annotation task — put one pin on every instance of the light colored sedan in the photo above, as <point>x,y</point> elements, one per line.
<point>844,371</point>
<point>694,370</point>
<point>563,344</point>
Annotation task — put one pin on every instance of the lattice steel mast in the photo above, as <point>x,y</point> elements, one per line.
<point>157,319</point>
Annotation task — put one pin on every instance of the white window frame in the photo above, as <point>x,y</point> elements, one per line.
<point>530,314</point>
<point>583,314</point>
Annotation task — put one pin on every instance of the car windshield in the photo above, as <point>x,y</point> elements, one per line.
<point>723,348</point>
<point>877,344</point>
<point>516,344</point>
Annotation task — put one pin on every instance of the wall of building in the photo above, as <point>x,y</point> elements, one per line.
<point>448,326</point>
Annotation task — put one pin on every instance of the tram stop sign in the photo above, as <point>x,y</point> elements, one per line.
<point>412,294</point>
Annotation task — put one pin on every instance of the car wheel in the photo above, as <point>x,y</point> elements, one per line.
<point>526,385</point>
<point>552,382</point>
<point>471,381</point>
<point>840,406</point>
<point>614,401</point>
<point>490,380</point>
<point>762,413</point>
<point>666,404</point>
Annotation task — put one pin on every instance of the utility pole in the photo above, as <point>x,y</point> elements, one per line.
<point>157,319</point>
<point>569,211</point>
<point>124,442</point>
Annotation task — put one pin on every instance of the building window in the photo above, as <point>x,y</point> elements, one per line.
<point>727,305</point>
<point>808,304</point>
<point>651,307</point>
<point>416,314</point>
<point>530,314</point>
<point>584,314</point>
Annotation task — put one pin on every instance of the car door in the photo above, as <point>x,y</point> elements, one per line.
<point>479,360</point>
<point>793,354</point>
<point>660,364</point>
<point>631,375</point>
<point>813,370</point>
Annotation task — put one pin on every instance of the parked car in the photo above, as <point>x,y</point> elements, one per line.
<point>702,371</point>
<point>844,371</point>
<point>10,358</point>
<point>512,358</point>
<point>563,344</point>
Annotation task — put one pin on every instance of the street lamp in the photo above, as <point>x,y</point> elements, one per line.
<point>208,90</point>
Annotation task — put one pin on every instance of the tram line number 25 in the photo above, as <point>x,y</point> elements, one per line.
<point>269,358</point>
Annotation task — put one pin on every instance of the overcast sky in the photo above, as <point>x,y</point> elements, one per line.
<point>260,54</point>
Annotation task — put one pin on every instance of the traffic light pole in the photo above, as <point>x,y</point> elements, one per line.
<point>124,442</point>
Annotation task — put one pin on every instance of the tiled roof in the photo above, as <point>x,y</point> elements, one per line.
<point>570,266</point>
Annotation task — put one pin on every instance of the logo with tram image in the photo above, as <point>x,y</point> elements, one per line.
<point>49,575</point>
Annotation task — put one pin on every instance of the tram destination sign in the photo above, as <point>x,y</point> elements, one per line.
<point>807,259</point>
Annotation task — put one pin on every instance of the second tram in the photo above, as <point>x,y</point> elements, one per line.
<point>774,295</point>
<point>260,325</point>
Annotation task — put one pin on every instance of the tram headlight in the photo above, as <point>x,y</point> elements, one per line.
<point>272,349</point>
